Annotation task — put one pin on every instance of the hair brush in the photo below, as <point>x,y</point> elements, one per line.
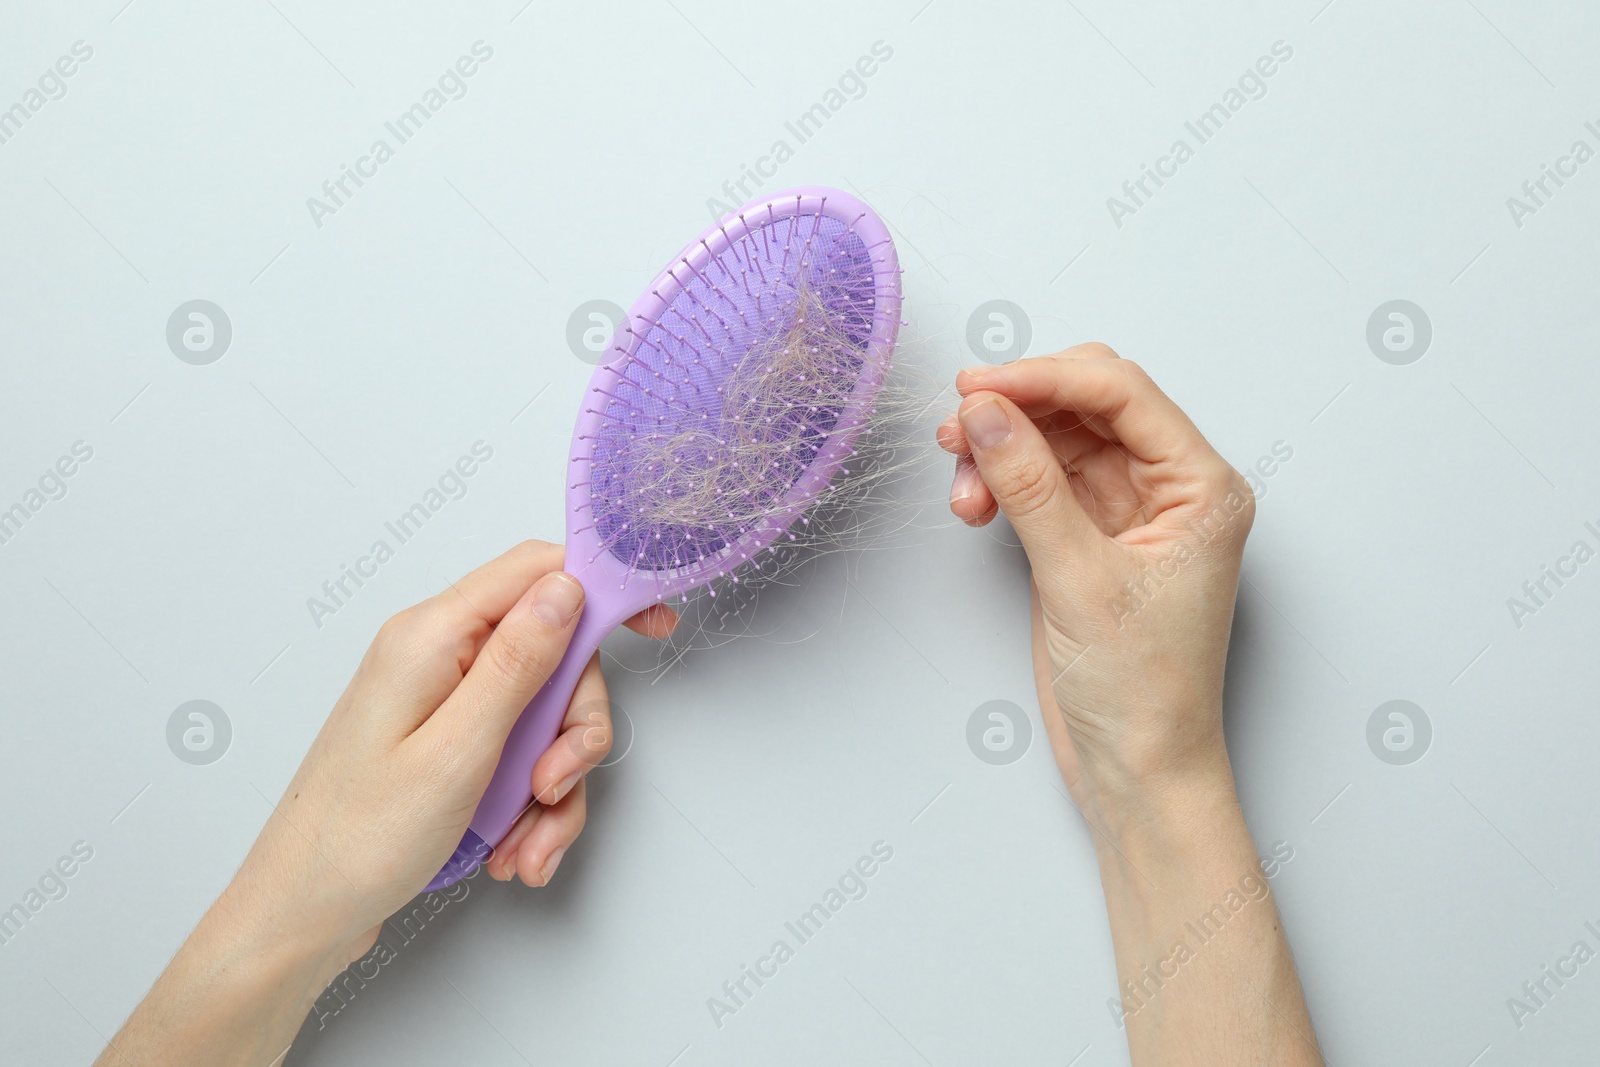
<point>736,390</point>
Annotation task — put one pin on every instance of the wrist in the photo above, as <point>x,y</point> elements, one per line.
<point>1152,780</point>
<point>282,937</point>
<point>301,903</point>
<point>298,933</point>
<point>1179,815</point>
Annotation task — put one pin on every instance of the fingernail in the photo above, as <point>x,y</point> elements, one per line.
<point>508,847</point>
<point>557,599</point>
<point>551,864</point>
<point>965,484</point>
<point>987,424</point>
<point>564,786</point>
<point>495,863</point>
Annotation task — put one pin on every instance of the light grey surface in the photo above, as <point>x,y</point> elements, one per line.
<point>368,353</point>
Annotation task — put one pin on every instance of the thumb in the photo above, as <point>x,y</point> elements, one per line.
<point>520,655</point>
<point>1027,481</point>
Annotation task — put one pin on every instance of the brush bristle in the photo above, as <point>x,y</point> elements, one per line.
<point>725,400</point>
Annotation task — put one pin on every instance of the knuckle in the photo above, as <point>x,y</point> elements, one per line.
<point>1229,506</point>
<point>396,631</point>
<point>401,622</point>
<point>1247,511</point>
<point>1135,373</point>
<point>597,741</point>
<point>590,740</point>
<point>1098,350</point>
<point>1028,488</point>
<point>1225,479</point>
<point>519,655</point>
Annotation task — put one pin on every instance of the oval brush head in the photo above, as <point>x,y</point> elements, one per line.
<point>736,391</point>
<point>738,388</point>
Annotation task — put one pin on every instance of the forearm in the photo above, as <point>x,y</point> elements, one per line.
<point>235,995</point>
<point>1204,971</point>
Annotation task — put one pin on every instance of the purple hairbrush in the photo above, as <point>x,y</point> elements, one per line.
<point>738,387</point>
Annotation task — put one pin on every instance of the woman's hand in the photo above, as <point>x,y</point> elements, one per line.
<point>380,803</point>
<point>1135,527</point>
<point>383,797</point>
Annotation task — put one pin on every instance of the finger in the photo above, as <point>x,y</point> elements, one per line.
<point>951,438</point>
<point>1089,350</point>
<point>584,742</point>
<point>540,850</point>
<point>502,861</point>
<point>461,617</point>
<point>503,858</point>
<point>1069,434</point>
<point>1073,436</point>
<point>516,660</point>
<point>488,592</point>
<point>1119,398</point>
<point>1077,449</point>
<point>1027,481</point>
<point>657,620</point>
<point>970,499</point>
<point>424,651</point>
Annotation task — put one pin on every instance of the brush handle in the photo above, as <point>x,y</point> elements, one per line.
<point>510,791</point>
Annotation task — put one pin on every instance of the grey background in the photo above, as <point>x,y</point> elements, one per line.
<point>431,312</point>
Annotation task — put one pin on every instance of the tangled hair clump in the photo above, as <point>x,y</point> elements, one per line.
<point>731,467</point>
<point>893,493</point>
